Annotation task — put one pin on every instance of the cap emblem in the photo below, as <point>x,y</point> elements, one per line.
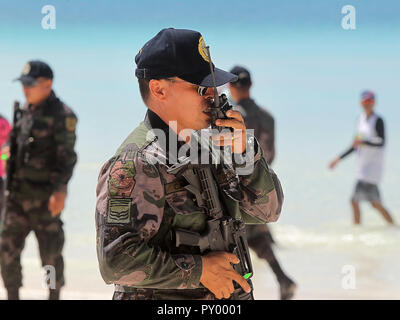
<point>202,49</point>
<point>26,69</point>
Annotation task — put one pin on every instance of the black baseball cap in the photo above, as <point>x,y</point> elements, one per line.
<point>178,53</point>
<point>244,78</point>
<point>34,69</point>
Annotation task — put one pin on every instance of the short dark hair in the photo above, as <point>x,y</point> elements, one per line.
<point>144,89</point>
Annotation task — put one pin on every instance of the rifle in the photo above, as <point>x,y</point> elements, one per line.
<point>223,232</point>
<point>12,161</point>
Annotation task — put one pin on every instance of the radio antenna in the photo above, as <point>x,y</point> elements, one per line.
<point>216,98</point>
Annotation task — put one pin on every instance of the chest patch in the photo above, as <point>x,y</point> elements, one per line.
<point>70,123</point>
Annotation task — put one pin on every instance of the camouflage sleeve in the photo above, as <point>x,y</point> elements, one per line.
<point>262,192</point>
<point>129,212</point>
<point>64,136</point>
<point>266,139</point>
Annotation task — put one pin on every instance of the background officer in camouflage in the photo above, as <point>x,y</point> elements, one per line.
<point>140,203</point>
<point>44,163</point>
<point>258,236</point>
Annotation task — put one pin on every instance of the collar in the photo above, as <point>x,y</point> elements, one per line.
<point>368,117</point>
<point>246,102</point>
<point>156,122</point>
<point>168,141</point>
<point>48,101</point>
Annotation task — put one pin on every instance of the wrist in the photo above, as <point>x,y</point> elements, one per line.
<point>244,162</point>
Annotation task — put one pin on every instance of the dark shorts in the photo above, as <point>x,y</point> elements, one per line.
<point>365,191</point>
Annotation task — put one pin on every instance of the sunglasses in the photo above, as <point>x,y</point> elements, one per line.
<point>368,100</point>
<point>30,84</point>
<point>200,89</point>
<point>34,82</point>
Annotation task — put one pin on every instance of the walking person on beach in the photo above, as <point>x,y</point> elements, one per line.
<point>41,163</point>
<point>369,145</point>
<point>258,236</point>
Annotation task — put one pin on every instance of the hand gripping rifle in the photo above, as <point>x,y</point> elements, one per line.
<point>12,161</point>
<point>223,232</point>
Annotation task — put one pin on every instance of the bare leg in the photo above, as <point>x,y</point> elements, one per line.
<point>356,212</point>
<point>383,212</point>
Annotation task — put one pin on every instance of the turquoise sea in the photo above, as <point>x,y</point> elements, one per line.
<point>307,71</point>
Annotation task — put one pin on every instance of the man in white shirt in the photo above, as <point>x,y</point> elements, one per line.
<point>369,144</point>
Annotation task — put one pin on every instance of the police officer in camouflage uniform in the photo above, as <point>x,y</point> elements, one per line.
<point>141,203</point>
<point>44,161</point>
<point>258,236</point>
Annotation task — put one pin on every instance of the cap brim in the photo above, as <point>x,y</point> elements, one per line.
<point>221,77</point>
<point>26,80</point>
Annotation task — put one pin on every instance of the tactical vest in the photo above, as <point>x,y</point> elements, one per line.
<point>36,153</point>
<point>181,210</point>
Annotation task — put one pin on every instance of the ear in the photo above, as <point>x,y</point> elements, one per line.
<point>158,89</point>
<point>48,83</point>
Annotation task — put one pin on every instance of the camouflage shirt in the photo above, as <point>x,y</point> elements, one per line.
<point>140,204</point>
<point>45,149</point>
<point>263,124</point>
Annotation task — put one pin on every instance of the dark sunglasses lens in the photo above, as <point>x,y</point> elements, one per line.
<point>30,84</point>
<point>368,100</point>
<point>202,90</point>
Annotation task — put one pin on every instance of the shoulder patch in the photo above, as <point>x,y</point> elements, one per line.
<point>121,181</point>
<point>119,211</point>
<point>70,123</point>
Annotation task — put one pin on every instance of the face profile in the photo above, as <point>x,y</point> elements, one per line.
<point>368,104</point>
<point>180,101</point>
<point>37,91</point>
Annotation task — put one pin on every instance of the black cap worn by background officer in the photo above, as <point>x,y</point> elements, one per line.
<point>178,53</point>
<point>33,70</point>
<point>244,78</point>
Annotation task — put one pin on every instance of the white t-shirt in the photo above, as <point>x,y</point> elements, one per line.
<point>369,158</point>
